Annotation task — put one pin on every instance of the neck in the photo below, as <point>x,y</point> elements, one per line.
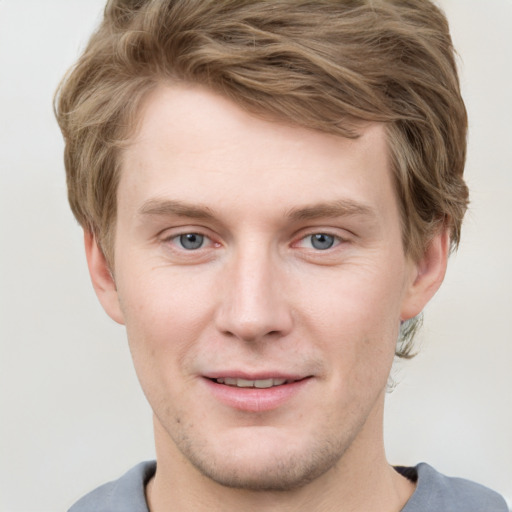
<point>361,480</point>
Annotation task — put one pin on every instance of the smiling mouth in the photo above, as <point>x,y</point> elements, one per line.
<point>256,395</point>
<point>259,383</point>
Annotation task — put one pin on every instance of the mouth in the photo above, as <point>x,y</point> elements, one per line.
<point>251,393</point>
<point>256,383</point>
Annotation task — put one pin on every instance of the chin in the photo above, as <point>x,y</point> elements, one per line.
<point>263,466</point>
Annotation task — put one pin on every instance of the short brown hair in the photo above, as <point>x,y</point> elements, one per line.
<point>323,64</point>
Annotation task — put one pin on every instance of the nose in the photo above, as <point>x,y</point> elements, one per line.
<point>253,304</point>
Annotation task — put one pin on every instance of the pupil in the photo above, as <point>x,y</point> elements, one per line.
<point>322,241</point>
<point>191,241</point>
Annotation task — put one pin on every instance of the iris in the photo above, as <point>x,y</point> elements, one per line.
<point>321,241</point>
<point>191,241</point>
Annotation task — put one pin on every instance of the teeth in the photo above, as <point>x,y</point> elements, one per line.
<point>267,383</point>
<point>244,383</point>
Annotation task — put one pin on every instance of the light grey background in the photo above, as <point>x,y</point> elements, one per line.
<point>72,414</point>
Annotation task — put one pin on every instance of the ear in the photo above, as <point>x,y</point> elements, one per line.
<point>102,278</point>
<point>427,274</point>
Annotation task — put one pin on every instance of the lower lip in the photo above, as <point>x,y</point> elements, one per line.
<point>255,399</point>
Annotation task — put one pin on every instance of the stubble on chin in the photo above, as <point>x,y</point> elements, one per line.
<point>288,469</point>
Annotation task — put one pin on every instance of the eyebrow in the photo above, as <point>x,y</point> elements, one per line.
<point>338,208</point>
<point>178,208</point>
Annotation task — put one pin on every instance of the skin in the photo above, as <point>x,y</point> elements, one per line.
<point>260,298</point>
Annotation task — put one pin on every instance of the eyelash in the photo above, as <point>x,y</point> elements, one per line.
<point>176,239</point>
<point>334,240</point>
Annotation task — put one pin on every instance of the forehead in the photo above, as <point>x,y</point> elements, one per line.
<point>196,146</point>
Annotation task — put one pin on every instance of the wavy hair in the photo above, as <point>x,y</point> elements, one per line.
<point>322,64</point>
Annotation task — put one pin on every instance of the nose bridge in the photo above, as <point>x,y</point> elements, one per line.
<point>253,303</point>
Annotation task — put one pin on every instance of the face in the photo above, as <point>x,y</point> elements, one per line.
<point>260,274</point>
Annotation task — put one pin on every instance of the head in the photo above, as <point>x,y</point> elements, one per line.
<point>384,61</point>
<point>376,87</point>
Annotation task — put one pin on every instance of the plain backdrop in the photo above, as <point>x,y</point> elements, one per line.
<point>72,414</point>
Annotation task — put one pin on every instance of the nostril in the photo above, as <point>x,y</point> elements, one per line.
<point>253,320</point>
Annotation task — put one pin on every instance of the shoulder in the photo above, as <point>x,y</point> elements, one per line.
<point>435,491</point>
<point>123,495</point>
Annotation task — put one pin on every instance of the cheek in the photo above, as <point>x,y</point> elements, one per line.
<point>354,316</point>
<point>165,313</point>
<point>363,297</point>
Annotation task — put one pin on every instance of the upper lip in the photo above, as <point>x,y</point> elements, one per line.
<point>263,375</point>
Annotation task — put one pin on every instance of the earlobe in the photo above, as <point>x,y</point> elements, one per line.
<point>427,275</point>
<point>102,278</point>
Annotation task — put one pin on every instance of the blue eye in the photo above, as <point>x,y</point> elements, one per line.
<point>322,241</point>
<point>191,241</point>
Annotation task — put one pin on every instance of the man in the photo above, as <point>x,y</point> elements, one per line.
<point>269,191</point>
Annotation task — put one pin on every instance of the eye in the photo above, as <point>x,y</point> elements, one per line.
<point>184,247</point>
<point>190,241</point>
<point>320,241</point>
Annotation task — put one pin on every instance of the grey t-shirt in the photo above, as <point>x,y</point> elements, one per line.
<point>434,493</point>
